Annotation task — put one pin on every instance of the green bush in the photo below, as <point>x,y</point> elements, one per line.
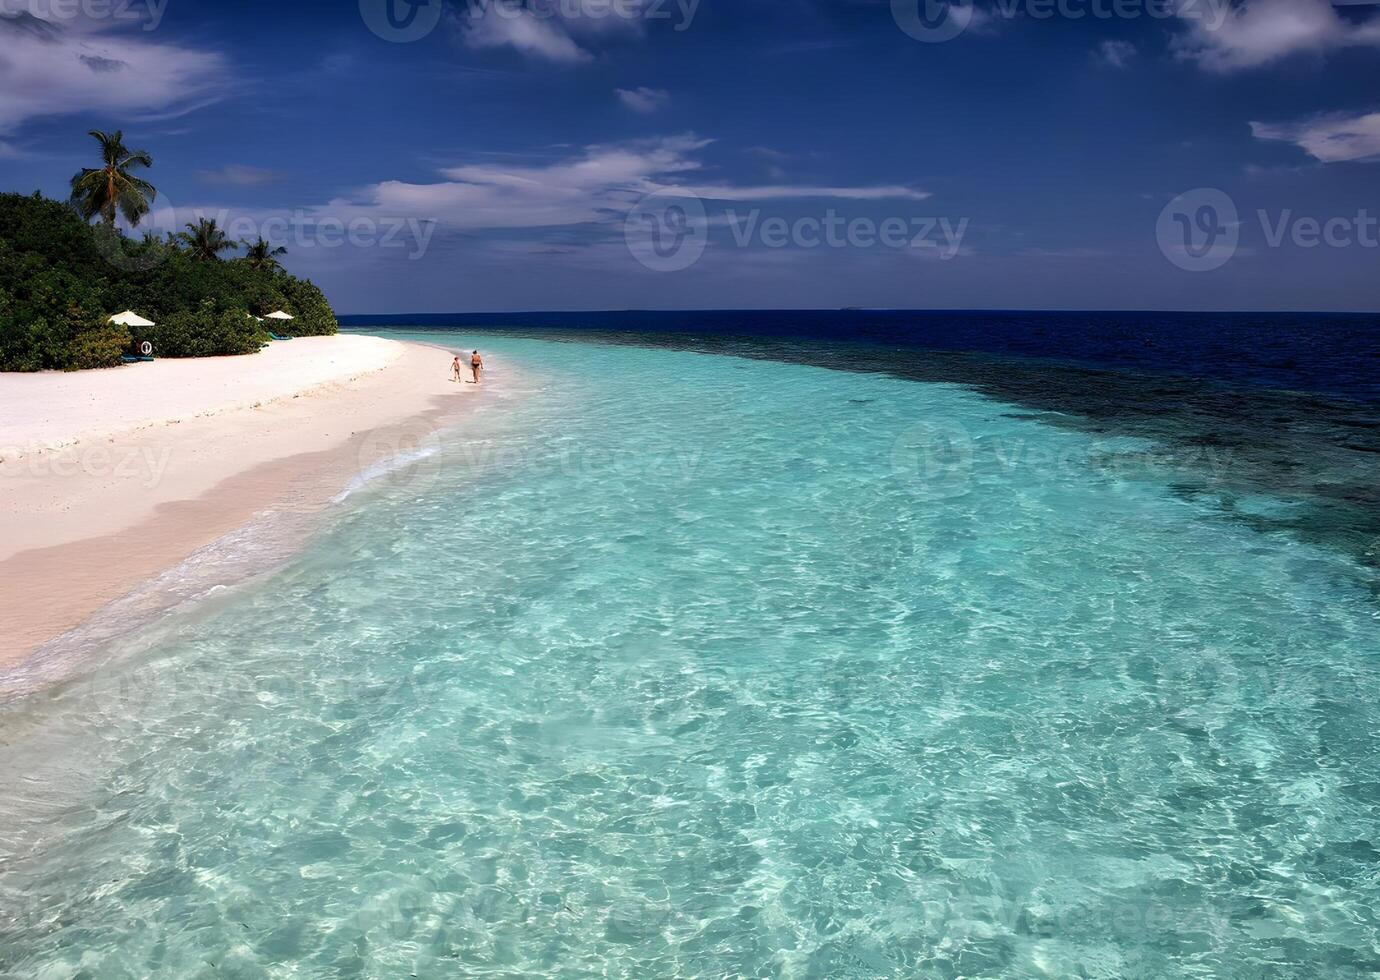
<point>51,261</point>
<point>206,332</point>
<point>98,347</point>
<point>236,332</point>
<point>36,345</point>
<point>72,340</point>
<point>315,318</point>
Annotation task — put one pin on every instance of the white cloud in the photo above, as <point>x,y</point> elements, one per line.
<point>239,175</point>
<point>1257,171</point>
<point>982,21</point>
<point>778,192</point>
<point>525,33</point>
<point>559,32</point>
<point>49,68</point>
<point>1118,54</point>
<point>579,189</point>
<point>1223,38</point>
<point>644,100</point>
<point>1330,139</point>
<point>596,185</point>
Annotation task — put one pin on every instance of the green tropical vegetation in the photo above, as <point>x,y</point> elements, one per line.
<point>62,277</point>
<point>262,255</point>
<point>205,241</point>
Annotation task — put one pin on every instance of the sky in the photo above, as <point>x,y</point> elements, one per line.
<point>504,155</point>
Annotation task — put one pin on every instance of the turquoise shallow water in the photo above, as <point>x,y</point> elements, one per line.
<point>673,664</point>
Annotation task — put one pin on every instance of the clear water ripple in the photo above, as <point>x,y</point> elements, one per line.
<point>674,669</point>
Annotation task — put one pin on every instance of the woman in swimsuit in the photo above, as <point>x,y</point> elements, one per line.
<point>476,365</point>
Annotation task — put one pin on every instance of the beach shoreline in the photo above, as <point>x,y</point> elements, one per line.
<point>114,478</point>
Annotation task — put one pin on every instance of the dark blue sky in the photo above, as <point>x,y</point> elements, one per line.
<point>503,161</point>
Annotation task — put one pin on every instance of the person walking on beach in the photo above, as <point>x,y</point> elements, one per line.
<point>476,365</point>
<point>455,369</point>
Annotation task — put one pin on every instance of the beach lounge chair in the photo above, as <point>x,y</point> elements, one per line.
<point>145,354</point>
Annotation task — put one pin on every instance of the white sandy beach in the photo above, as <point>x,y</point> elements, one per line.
<point>56,409</point>
<point>110,477</point>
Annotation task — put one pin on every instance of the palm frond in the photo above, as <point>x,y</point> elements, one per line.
<point>136,159</point>
<point>143,188</point>
<point>112,189</point>
<point>133,207</point>
<point>84,176</point>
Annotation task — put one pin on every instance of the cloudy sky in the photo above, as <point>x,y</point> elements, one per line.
<point>488,155</point>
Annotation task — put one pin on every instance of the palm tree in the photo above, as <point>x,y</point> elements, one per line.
<point>204,240</point>
<point>113,187</point>
<point>262,255</point>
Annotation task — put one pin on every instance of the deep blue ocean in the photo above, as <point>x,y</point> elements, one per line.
<point>1327,353</point>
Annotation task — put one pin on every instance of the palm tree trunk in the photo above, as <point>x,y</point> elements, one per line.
<point>108,212</point>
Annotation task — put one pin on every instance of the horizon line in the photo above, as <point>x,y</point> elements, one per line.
<point>871,309</point>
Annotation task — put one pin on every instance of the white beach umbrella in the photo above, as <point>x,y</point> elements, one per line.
<point>280,315</point>
<point>130,319</point>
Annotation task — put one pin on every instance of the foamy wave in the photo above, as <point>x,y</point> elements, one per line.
<point>208,575</point>
<point>382,468</point>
